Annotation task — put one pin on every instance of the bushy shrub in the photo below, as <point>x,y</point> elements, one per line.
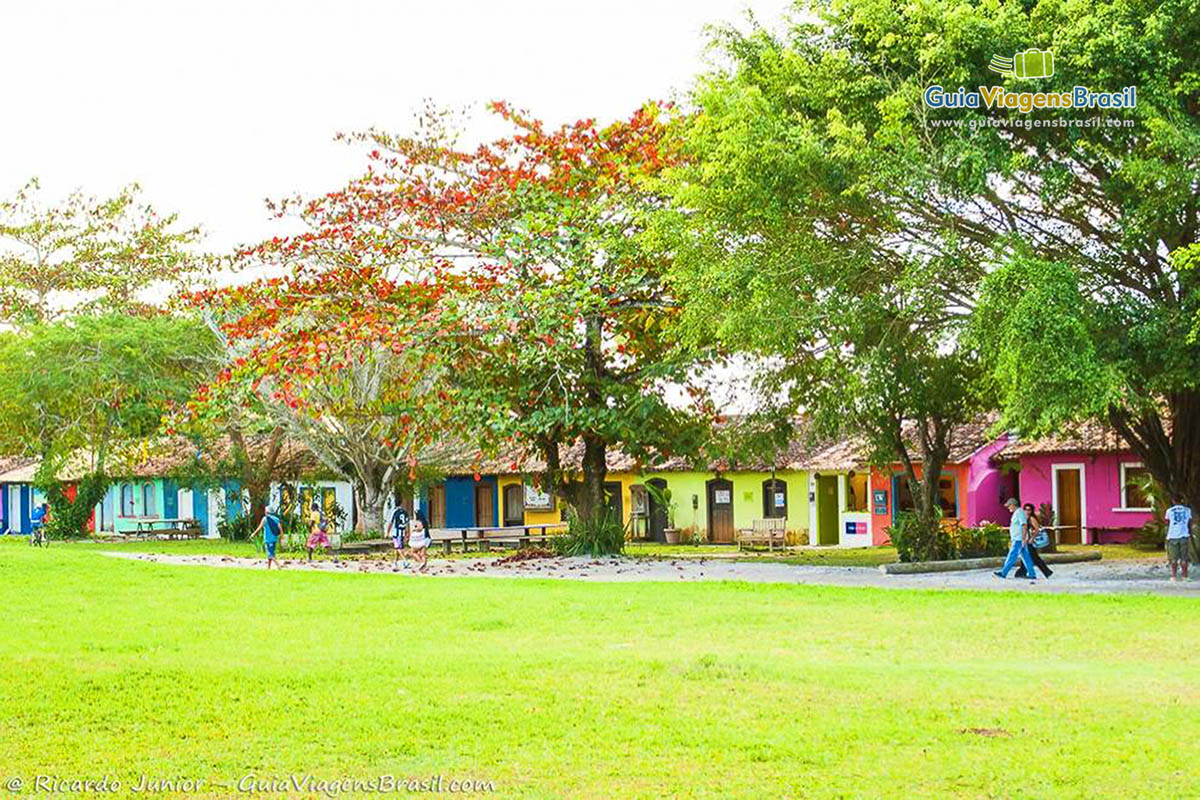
<point>693,536</point>
<point>1151,536</point>
<point>913,542</point>
<point>236,528</point>
<point>69,518</point>
<point>601,536</point>
<point>988,539</point>
<point>916,542</point>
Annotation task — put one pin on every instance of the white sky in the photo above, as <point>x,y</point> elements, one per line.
<point>214,106</point>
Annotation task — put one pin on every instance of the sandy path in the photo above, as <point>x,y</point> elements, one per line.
<point>1113,577</point>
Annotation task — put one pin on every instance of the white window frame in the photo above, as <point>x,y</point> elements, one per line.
<point>1124,500</point>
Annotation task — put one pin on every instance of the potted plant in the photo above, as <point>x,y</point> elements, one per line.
<point>662,497</point>
<point>670,533</point>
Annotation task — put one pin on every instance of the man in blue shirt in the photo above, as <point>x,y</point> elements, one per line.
<point>1018,533</point>
<point>271,529</point>
<point>37,522</point>
<point>1179,527</point>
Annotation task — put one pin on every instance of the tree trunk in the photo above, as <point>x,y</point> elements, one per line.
<point>590,503</point>
<point>933,442</point>
<point>1173,459</point>
<point>374,498</point>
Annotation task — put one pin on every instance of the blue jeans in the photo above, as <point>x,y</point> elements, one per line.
<point>1018,550</point>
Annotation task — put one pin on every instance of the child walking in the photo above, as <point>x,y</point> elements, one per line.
<point>271,530</point>
<point>318,531</point>
<point>418,541</point>
<point>398,526</point>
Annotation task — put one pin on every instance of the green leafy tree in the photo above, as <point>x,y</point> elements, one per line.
<point>88,254</point>
<point>1056,238</point>
<point>791,248</point>
<point>83,392</point>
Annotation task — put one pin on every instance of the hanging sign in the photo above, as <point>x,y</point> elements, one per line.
<point>538,500</point>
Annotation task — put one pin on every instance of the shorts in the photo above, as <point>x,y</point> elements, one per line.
<point>398,542</point>
<point>1177,549</point>
<point>318,538</point>
<point>270,548</point>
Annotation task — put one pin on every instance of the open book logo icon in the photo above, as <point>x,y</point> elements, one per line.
<point>1029,64</point>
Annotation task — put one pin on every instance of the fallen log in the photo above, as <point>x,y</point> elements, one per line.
<point>988,562</point>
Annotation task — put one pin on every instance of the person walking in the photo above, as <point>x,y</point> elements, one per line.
<point>398,528</point>
<point>1179,526</point>
<point>37,524</point>
<point>1036,540</point>
<point>271,529</point>
<point>419,541</point>
<point>318,529</point>
<point>1018,529</point>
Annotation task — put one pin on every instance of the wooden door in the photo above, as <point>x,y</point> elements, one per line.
<point>658,511</point>
<point>514,504</point>
<point>774,497</point>
<point>1068,511</point>
<point>485,511</point>
<point>613,501</point>
<point>437,506</point>
<point>827,509</point>
<point>720,511</point>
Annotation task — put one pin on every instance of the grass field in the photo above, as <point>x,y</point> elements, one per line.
<point>124,669</point>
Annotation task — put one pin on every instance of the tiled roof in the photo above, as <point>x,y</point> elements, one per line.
<point>18,469</point>
<point>1086,437</point>
<point>175,455</point>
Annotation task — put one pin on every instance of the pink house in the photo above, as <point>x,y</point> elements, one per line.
<point>1087,476</point>
<point>972,486</point>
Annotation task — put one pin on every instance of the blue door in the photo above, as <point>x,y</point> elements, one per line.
<point>26,524</point>
<point>170,499</point>
<point>233,500</point>
<point>200,507</point>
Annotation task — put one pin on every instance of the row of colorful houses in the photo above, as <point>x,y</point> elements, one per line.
<point>831,496</point>
<point>828,494</point>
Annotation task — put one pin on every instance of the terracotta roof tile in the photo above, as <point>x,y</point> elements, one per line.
<point>1086,437</point>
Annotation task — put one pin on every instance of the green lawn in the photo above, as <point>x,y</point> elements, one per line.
<point>122,668</point>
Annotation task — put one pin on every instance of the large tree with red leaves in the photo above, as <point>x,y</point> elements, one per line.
<point>350,362</point>
<point>541,239</point>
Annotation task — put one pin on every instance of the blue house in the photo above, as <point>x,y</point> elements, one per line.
<point>18,498</point>
<point>462,501</point>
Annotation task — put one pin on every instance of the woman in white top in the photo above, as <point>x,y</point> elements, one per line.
<point>419,539</point>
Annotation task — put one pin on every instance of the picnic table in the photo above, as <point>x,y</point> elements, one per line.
<point>171,527</point>
<point>484,537</point>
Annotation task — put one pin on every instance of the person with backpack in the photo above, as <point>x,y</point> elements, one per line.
<point>398,528</point>
<point>318,531</point>
<point>1179,527</point>
<point>1039,539</point>
<point>419,540</point>
<point>271,529</point>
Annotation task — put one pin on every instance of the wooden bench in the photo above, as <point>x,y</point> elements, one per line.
<point>171,528</point>
<point>484,538</point>
<point>761,532</point>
